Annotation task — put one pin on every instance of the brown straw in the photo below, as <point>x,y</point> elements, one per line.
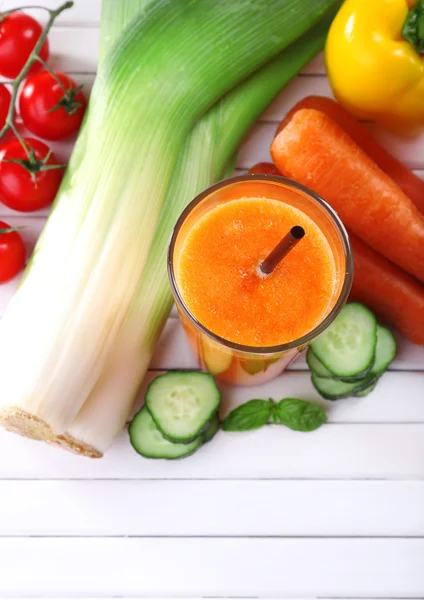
<point>281,250</point>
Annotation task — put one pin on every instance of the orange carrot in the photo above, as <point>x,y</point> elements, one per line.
<point>389,291</point>
<point>412,185</point>
<point>315,151</point>
<point>264,168</point>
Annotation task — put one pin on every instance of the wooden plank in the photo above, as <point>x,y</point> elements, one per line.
<point>388,451</point>
<point>74,50</point>
<point>213,567</point>
<point>297,89</point>
<point>84,13</point>
<point>211,508</point>
<point>316,66</point>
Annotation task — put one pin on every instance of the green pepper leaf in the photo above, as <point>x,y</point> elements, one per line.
<point>413,29</point>
<point>251,415</point>
<point>300,415</point>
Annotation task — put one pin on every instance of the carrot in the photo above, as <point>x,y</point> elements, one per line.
<point>264,168</point>
<point>393,294</point>
<point>315,151</point>
<point>389,291</point>
<point>412,185</point>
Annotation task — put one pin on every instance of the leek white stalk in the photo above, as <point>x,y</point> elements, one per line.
<point>203,161</point>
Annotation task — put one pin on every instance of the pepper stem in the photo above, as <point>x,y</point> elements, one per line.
<point>413,29</point>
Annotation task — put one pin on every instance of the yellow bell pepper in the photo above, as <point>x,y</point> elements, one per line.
<point>373,60</point>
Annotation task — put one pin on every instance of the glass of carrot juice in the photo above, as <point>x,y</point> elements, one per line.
<point>246,326</point>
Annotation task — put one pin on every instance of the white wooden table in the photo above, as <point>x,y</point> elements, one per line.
<point>338,513</point>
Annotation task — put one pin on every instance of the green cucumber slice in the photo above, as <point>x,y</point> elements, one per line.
<point>366,391</point>
<point>347,347</point>
<point>319,369</point>
<point>147,440</point>
<point>385,350</point>
<point>211,429</point>
<point>182,403</point>
<point>331,389</point>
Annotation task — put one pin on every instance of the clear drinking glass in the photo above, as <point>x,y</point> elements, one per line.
<point>248,365</point>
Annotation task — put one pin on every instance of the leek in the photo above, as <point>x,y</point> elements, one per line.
<point>202,161</point>
<point>169,66</point>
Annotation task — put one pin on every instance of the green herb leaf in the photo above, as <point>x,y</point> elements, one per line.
<point>300,415</point>
<point>413,29</point>
<point>275,412</point>
<point>251,415</point>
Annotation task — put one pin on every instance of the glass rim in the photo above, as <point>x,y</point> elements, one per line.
<point>311,335</point>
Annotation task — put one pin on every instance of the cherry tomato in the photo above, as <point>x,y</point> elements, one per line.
<point>25,186</point>
<point>47,110</point>
<point>5,98</point>
<point>12,253</point>
<point>18,35</point>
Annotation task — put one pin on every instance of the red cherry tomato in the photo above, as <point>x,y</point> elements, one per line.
<point>12,253</point>
<point>5,98</point>
<point>18,189</point>
<point>47,110</point>
<point>18,35</point>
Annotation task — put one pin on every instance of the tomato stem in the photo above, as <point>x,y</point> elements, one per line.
<point>68,101</point>
<point>34,56</point>
<point>21,140</point>
<point>55,77</point>
<point>5,13</point>
<point>10,230</point>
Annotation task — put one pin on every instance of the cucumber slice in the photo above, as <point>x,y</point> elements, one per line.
<point>211,429</point>
<point>334,388</point>
<point>147,440</point>
<point>319,369</point>
<point>331,389</point>
<point>367,390</point>
<point>347,347</point>
<point>182,403</point>
<point>385,351</point>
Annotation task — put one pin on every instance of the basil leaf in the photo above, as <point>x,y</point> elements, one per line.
<point>300,415</point>
<point>248,416</point>
<point>275,413</point>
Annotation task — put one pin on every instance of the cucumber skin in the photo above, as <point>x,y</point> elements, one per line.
<point>212,429</point>
<point>369,381</point>
<point>201,429</point>
<point>199,433</point>
<point>351,379</point>
<point>361,374</point>
<point>145,455</point>
<point>368,390</point>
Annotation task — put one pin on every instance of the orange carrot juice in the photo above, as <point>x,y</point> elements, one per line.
<point>244,325</point>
